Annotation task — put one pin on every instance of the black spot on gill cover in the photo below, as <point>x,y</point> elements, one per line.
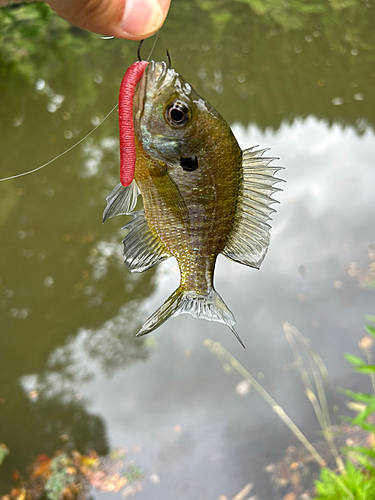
<point>189,164</point>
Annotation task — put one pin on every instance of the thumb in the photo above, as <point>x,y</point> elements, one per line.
<point>131,19</point>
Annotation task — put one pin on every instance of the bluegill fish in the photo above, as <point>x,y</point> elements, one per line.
<point>202,195</point>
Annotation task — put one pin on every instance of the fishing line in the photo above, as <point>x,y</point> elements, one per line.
<point>61,154</point>
<point>153,47</point>
<point>83,138</point>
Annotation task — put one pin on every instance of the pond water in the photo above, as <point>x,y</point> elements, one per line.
<point>298,82</point>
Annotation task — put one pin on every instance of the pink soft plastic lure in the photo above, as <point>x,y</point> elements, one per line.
<point>125,110</point>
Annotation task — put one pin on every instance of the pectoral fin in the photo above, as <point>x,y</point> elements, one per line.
<point>249,239</point>
<point>142,247</point>
<point>121,200</point>
<point>171,195</point>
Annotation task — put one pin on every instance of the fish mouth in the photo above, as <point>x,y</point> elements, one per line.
<point>157,77</point>
<point>156,71</point>
<point>148,85</point>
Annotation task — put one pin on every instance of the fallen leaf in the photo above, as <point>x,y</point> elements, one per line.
<point>295,479</point>
<point>282,481</point>
<point>97,479</point>
<point>33,395</point>
<point>89,461</point>
<point>87,238</point>
<point>290,496</point>
<point>243,388</point>
<point>365,343</point>
<point>356,406</point>
<point>15,475</point>
<point>120,484</point>
<point>270,468</point>
<point>43,469</point>
<point>132,490</point>
<point>22,494</point>
<point>155,478</point>
<point>110,487</point>
<point>242,494</point>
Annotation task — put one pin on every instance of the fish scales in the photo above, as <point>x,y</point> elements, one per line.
<point>196,233</point>
<point>202,195</point>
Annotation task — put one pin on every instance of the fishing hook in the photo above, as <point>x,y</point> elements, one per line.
<point>152,49</point>
<point>139,50</point>
<point>169,59</point>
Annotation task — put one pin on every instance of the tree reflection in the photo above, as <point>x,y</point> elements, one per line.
<point>281,60</point>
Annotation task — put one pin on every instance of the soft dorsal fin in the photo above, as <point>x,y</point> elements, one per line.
<point>249,239</point>
<point>142,248</point>
<point>121,200</point>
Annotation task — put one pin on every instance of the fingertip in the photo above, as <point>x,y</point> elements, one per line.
<point>143,18</point>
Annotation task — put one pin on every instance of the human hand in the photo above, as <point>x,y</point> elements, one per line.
<point>131,19</point>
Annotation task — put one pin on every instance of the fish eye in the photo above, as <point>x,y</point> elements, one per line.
<point>177,113</point>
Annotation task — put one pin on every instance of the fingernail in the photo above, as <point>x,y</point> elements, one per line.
<point>142,17</point>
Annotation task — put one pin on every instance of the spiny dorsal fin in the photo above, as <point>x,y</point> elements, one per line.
<point>142,248</point>
<point>249,239</point>
<point>121,200</point>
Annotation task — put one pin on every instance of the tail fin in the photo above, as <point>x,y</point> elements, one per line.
<point>209,306</point>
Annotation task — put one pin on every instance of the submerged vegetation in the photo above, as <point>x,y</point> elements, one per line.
<point>70,475</point>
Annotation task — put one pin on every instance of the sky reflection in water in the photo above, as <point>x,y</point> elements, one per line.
<point>69,308</point>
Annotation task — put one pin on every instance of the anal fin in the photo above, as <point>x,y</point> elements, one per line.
<point>142,248</point>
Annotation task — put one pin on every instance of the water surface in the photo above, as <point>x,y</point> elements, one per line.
<point>299,83</point>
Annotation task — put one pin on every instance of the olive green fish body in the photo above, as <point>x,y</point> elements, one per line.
<point>192,212</point>
<point>201,194</point>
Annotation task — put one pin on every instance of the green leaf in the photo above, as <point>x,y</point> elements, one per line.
<point>370,318</point>
<point>359,449</point>
<point>353,484</point>
<point>354,360</point>
<point>365,368</point>
<point>4,451</point>
<point>365,426</point>
<point>363,415</point>
<point>370,330</point>
<point>359,396</point>
<point>365,463</point>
